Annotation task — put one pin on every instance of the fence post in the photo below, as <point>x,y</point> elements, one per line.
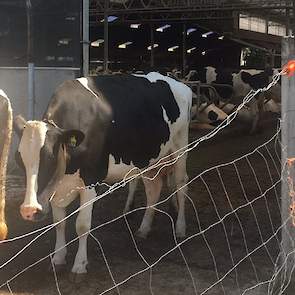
<point>31,66</point>
<point>288,152</point>
<point>85,37</point>
<point>106,37</point>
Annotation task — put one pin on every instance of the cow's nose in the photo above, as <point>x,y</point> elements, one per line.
<point>29,212</point>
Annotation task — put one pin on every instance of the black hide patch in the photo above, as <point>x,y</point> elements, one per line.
<point>256,81</point>
<point>224,77</point>
<point>201,75</point>
<point>138,129</point>
<point>212,116</point>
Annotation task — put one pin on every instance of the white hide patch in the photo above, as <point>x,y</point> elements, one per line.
<point>210,75</point>
<point>117,172</point>
<point>2,93</point>
<point>241,89</point>
<point>272,106</point>
<point>84,83</point>
<point>33,139</point>
<point>67,190</point>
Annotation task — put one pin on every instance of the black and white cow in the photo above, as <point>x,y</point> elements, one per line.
<point>98,129</point>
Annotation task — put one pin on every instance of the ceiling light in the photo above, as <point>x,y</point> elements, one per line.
<point>191,49</point>
<point>97,43</point>
<point>163,28</point>
<point>205,35</point>
<point>190,30</point>
<point>155,46</point>
<point>111,18</point>
<point>171,49</point>
<point>135,26</point>
<point>124,45</point>
<point>64,41</point>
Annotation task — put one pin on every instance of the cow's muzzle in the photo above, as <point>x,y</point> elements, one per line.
<point>32,213</point>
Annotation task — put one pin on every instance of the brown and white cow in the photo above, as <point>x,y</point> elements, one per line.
<point>5,140</point>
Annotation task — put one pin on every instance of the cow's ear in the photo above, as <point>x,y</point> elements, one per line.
<point>19,124</point>
<point>246,77</point>
<point>72,138</point>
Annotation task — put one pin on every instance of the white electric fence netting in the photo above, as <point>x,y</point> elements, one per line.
<point>237,224</point>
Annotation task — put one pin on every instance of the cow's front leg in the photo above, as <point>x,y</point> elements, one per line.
<point>83,225</point>
<point>153,190</point>
<point>59,258</point>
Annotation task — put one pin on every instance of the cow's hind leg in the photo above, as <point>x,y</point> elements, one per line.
<point>59,257</point>
<point>181,179</point>
<point>153,190</point>
<point>256,109</point>
<point>83,225</point>
<point>131,191</point>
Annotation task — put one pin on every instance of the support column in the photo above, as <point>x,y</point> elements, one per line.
<point>152,46</point>
<point>288,27</point>
<point>183,50</point>
<point>31,66</point>
<point>106,37</point>
<point>85,37</point>
<point>287,260</point>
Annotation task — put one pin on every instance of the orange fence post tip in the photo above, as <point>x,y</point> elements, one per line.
<point>289,68</point>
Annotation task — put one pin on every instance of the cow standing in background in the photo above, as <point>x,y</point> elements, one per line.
<point>97,129</point>
<point>5,140</point>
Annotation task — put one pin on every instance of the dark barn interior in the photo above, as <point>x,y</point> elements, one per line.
<point>221,48</point>
<point>57,33</point>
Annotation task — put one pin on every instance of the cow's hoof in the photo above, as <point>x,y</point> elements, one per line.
<point>59,268</point>
<point>140,235</point>
<point>180,238</point>
<point>77,278</point>
<point>180,235</point>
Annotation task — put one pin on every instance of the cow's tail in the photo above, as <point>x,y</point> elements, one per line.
<point>7,134</point>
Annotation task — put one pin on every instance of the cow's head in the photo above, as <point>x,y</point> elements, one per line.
<point>43,153</point>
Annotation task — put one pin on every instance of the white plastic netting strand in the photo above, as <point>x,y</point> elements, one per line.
<point>233,245</point>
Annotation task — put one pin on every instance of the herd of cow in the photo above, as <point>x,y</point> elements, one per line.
<point>241,83</point>
<point>106,129</point>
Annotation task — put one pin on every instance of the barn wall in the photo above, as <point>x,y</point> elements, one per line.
<point>14,82</point>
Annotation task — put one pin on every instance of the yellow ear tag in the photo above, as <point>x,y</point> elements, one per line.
<point>73,141</point>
